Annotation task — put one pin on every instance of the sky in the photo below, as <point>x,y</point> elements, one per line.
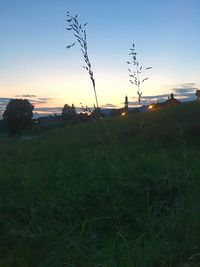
<point>35,64</point>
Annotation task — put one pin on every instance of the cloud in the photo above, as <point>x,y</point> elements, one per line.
<point>183,92</point>
<point>49,109</point>
<point>109,106</point>
<point>148,99</point>
<point>45,111</point>
<point>43,98</point>
<point>40,100</point>
<point>35,100</point>
<point>26,96</point>
<point>3,103</point>
<point>32,98</point>
<point>186,88</point>
<point>189,84</point>
<point>4,100</point>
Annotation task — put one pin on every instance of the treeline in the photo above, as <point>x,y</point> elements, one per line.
<point>69,112</point>
<point>18,117</point>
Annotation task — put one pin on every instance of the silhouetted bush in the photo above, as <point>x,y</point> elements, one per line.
<point>96,113</point>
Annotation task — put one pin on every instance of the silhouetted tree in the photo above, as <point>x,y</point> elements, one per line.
<point>73,110</point>
<point>18,116</point>
<point>68,112</point>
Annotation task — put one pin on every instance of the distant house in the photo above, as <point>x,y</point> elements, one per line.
<point>171,101</point>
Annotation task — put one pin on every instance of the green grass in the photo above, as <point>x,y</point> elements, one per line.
<point>122,192</point>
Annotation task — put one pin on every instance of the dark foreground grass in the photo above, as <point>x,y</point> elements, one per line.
<point>123,192</point>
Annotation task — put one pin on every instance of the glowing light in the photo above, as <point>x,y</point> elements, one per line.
<point>150,106</point>
<point>123,114</point>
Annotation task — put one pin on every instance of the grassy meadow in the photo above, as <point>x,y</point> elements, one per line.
<point>119,192</point>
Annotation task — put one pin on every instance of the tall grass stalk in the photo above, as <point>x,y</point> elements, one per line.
<point>135,72</point>
<point>79,30</point>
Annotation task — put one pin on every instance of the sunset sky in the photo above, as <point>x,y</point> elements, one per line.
<point>35,64</point>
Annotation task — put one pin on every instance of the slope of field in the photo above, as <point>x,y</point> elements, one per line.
<point>118,192</point>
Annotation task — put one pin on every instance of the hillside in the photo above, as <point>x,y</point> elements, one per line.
<point>118,192</point>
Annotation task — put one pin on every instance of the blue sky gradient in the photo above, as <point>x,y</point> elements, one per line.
<point>34,60</point>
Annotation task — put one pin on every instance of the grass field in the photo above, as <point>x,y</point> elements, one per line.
<point>121,192</point>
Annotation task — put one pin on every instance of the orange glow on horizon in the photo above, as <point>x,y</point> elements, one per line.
<point>150,107</point>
